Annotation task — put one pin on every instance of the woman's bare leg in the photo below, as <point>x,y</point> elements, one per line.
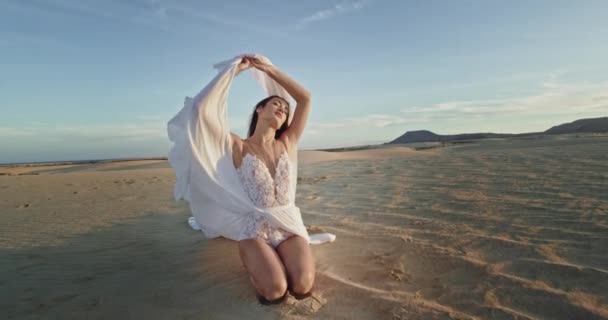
<point>298,260</point>
<point>265,268</point>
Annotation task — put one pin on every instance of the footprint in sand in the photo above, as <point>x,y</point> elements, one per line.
<point>314,229</point>
<point>25,205</point>
<point>311,180</point>
<point>127,181</point>
<point>63,298</point>
<point>96,302</point>
<point>406,238</point>
<point>399,275</point>
<point>304,307</point>
<point>128,198</point>
<point>83,279</point>
<point>40,307</point>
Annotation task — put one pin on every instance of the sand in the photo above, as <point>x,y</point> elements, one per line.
<point>497,229</point>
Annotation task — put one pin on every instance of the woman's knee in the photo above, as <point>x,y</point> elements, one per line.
<point>302,282</point>
<point>274,288</point>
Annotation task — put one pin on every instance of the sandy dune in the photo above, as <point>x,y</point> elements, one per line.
<point>500,229</point>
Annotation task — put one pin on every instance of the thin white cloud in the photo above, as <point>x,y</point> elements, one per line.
<point>366,121</point>
<point>154,14</point>
<point>119,11</point>
<point>336,10</point>
<point>12,132</point>
<point>225,21</point>
<point>554,100</point>
<point>20,39</point>
<point>108,10</point>
<point>142,130</point>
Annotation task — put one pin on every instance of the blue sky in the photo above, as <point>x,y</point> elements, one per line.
<point>100,79</point>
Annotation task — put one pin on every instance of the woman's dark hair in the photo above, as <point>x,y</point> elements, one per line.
<point>254,117</point>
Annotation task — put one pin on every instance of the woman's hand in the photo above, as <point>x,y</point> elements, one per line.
<point>260,65</point>
<point>244,64</point>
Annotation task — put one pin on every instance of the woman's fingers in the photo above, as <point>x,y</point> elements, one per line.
<point>256,60</point>
<point>244,64</point>
<point>258,63</point>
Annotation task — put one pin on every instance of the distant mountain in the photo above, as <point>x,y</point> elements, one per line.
<point>578,126</point>
<point>428,136</point>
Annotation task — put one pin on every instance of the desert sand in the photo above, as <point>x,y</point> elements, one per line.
<point>495,229</point>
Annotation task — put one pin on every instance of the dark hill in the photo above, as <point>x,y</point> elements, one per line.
<point>593,125</point>
<point>580,126</point>
<point>428,136</point>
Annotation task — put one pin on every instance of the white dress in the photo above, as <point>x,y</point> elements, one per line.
<point>205,175</point>
<point>265,192</point>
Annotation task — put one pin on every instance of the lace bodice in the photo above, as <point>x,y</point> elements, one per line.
<point>263,190</point>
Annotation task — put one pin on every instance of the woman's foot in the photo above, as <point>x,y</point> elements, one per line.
<point>301,296</point>
<point>266,302</point>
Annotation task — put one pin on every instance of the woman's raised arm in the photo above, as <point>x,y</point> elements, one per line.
<point>299,94</point>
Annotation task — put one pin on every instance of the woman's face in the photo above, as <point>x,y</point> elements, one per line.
<point>275,111</point>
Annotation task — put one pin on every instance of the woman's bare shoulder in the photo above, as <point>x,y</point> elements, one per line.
<point>236,138</point>
<point>237,143</point>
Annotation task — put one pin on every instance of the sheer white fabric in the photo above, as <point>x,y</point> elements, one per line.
<point>205,174</point>
<point>265,191</point>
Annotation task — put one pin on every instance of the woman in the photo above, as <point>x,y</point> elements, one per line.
<point>275,259</point>
<point>244,189</point>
